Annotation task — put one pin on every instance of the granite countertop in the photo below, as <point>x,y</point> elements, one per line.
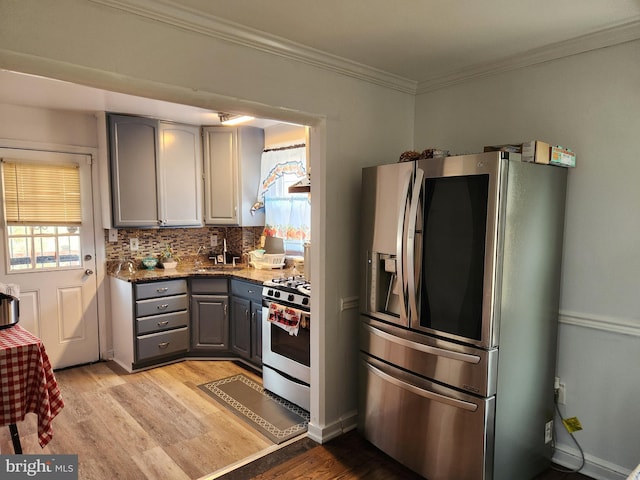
<point>240,272</point>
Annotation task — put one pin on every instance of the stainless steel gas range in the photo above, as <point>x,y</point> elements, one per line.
<point>286,338</point>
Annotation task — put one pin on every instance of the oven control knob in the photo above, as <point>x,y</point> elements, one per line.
<point>270,292</point>
<point>291,297</point>
<point>276,294</point>
<point>305,301</point>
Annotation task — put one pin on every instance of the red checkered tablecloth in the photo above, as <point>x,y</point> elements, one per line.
<point>27,383</point>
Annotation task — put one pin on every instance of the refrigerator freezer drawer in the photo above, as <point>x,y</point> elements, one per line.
<point>464,367</point>
<point>438,432</point>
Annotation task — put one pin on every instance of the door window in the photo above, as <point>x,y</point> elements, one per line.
<point>42,215</point>
<point>43,247</point>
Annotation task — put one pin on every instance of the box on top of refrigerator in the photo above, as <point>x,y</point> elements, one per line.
<point>562,157</point>
<point>536,151</point>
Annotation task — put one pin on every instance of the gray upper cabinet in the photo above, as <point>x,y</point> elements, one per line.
<point>133,148</point>
<point>155,173</point>
<point>232,175</point>
<point>180,175</point>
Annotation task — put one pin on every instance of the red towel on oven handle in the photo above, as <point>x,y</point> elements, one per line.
<point>286,318</point>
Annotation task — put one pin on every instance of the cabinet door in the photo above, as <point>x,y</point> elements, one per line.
<point>209,322</point>
<point>133,151</point>
<point>250,148</point>
<point>220,175</point>
<point>241,327</point>
<point>180,175</point>
<point>256,333</point>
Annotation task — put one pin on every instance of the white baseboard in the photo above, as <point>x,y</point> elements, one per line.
<point>324,434</point>
<point>594,467</point>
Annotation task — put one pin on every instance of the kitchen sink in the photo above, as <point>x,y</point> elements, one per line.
<point>217,268</point>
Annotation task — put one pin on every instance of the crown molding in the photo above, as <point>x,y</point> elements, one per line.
<point>195,21</point>
<point>618,34</point>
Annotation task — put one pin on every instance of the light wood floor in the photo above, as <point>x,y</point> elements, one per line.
<point>155,424</point>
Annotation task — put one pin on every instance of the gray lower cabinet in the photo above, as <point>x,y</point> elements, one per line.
<point>246,320</point>
<point>166,320</point>
<point>161,321</point>
<point>209,315</point>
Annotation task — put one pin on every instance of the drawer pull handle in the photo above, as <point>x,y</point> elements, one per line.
<point>163,306</point>
<point>162,324</point>
<point>163,345</point>
<point>161,290</point>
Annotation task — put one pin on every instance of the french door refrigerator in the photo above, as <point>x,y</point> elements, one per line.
<point>460,268</point>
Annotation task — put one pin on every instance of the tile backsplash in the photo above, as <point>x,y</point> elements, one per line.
<point>184,242</point>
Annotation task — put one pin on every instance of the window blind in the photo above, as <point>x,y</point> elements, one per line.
<point>41,194</point>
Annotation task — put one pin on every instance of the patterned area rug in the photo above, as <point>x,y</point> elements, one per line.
<point>274,417</point>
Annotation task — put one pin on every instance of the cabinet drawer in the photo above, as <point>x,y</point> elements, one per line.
<point>157,323</point>
<point>251,291</point>
<point>209,285</point>
<point>160,289</point>
<point>155,306</point>
<point>164,343</point>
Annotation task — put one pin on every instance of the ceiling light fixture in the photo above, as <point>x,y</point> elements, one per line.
<point>228,119</point>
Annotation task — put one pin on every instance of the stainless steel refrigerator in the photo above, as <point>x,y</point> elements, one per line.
<point>460,266</point>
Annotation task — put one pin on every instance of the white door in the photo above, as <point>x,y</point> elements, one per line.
<point>58,300</point>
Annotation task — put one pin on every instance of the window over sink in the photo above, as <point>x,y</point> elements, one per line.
<point>287,215</point>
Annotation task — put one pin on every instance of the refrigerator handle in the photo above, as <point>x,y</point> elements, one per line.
<point>421,347</point>
<point>400,243</point>
<point>411,246</point>
<point>437,397</point>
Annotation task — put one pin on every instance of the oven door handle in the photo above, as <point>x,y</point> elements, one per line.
<point>305,317</point>
<point>440,352</point>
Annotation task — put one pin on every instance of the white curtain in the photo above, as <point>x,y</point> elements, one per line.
<point>287,215</point>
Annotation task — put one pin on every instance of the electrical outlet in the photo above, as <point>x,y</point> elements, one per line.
<point>113,234</point>
<point>548,432</point>
<point>214,240</point>
<point>133,244</point>
<point>562,394</point>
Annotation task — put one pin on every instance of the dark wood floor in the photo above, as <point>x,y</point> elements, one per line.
<point>347,457</point>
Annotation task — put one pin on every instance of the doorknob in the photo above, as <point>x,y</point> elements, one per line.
<point>88,271</point>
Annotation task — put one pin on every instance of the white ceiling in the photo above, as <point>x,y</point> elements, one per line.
<point>421,39</point>
<point>417,41</point>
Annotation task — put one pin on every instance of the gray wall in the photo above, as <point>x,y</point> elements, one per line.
<point>355,123</point>
<point>589,103</point>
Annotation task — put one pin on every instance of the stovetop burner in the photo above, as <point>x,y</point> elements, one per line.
<point>293,290</point>
<point>288,283</point>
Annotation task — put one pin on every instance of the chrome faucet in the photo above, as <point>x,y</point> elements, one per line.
<point>224,251</point>
<point>197,263</point>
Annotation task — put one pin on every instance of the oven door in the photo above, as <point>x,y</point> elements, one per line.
<point>289,354</point>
